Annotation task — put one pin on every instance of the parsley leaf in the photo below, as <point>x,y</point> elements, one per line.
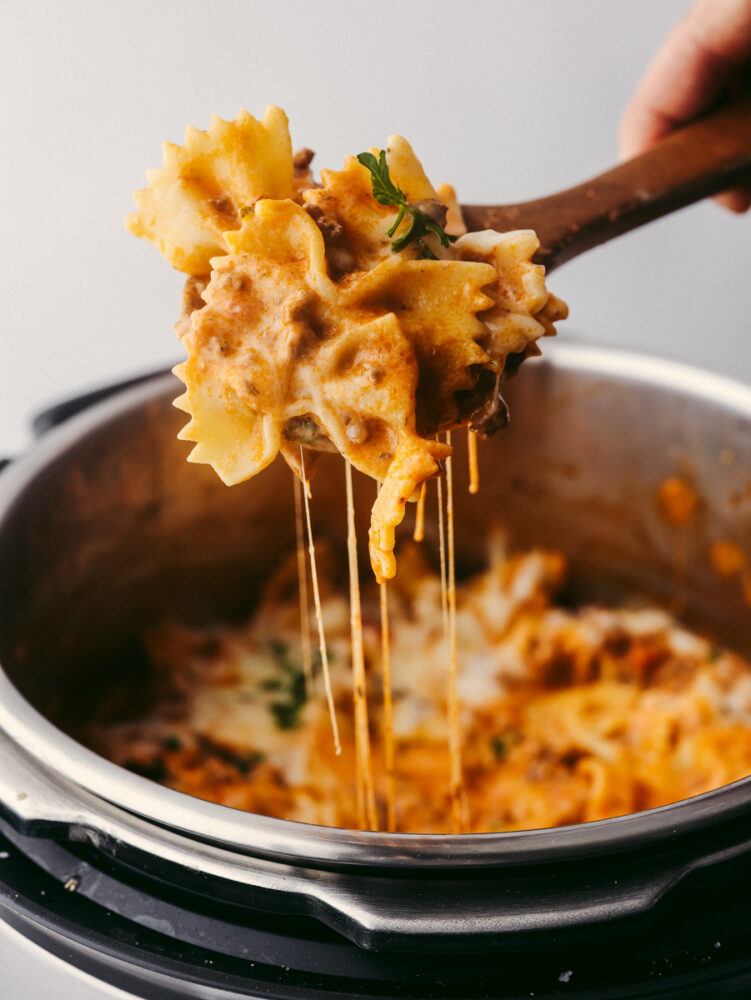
<point>384,189</point>
<point>421,225</point>
<point>386,192</point>
<point>505,741</point>
<point>290,687</point>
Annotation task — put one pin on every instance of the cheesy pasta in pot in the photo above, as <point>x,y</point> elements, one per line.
<point>566,715</point>
<point>353,314</point>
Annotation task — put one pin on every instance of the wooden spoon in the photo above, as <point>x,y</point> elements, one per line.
<point>701,159</point>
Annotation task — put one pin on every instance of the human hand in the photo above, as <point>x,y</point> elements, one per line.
<point>707,53</point>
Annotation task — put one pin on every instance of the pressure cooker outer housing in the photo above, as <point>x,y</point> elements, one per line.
<point>105,529</point>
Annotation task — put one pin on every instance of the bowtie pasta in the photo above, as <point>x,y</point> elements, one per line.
<point>567,715</point>
<point>304,327</point>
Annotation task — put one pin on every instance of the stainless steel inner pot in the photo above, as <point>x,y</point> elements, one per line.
<point>105,528</point>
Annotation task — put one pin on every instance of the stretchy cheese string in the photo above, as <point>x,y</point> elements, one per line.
<point>419,533</point>
<point>302,579</point>
<point>319,615</point>
<point>474,471</point>
<point>442,557</point>
<point>388,715</point>
<point>367,816</point>
<point>458,796</point>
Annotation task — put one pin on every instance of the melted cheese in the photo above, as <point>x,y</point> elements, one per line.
<point>456,779</point>
<point>302,583</point>
<point>566,715</point>
<point>322,647</point>
<point>474,469</point>
<point>418,534</point>
<point>366,808</point>
<point>388,713</point>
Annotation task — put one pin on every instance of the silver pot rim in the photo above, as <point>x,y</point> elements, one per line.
<point>279,839</point>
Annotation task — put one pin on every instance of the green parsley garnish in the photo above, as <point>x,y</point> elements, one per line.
<point>290,686</point>
<point>505,741</point>
<point>386,192</point>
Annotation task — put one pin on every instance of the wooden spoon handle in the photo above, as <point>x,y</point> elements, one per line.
<point>699,160</point>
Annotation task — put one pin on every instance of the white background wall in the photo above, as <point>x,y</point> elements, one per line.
<point>508,99</point>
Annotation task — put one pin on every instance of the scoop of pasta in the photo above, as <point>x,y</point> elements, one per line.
<point>303,325</point>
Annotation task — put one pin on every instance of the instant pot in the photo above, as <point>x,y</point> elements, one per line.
<point>105,529</point>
